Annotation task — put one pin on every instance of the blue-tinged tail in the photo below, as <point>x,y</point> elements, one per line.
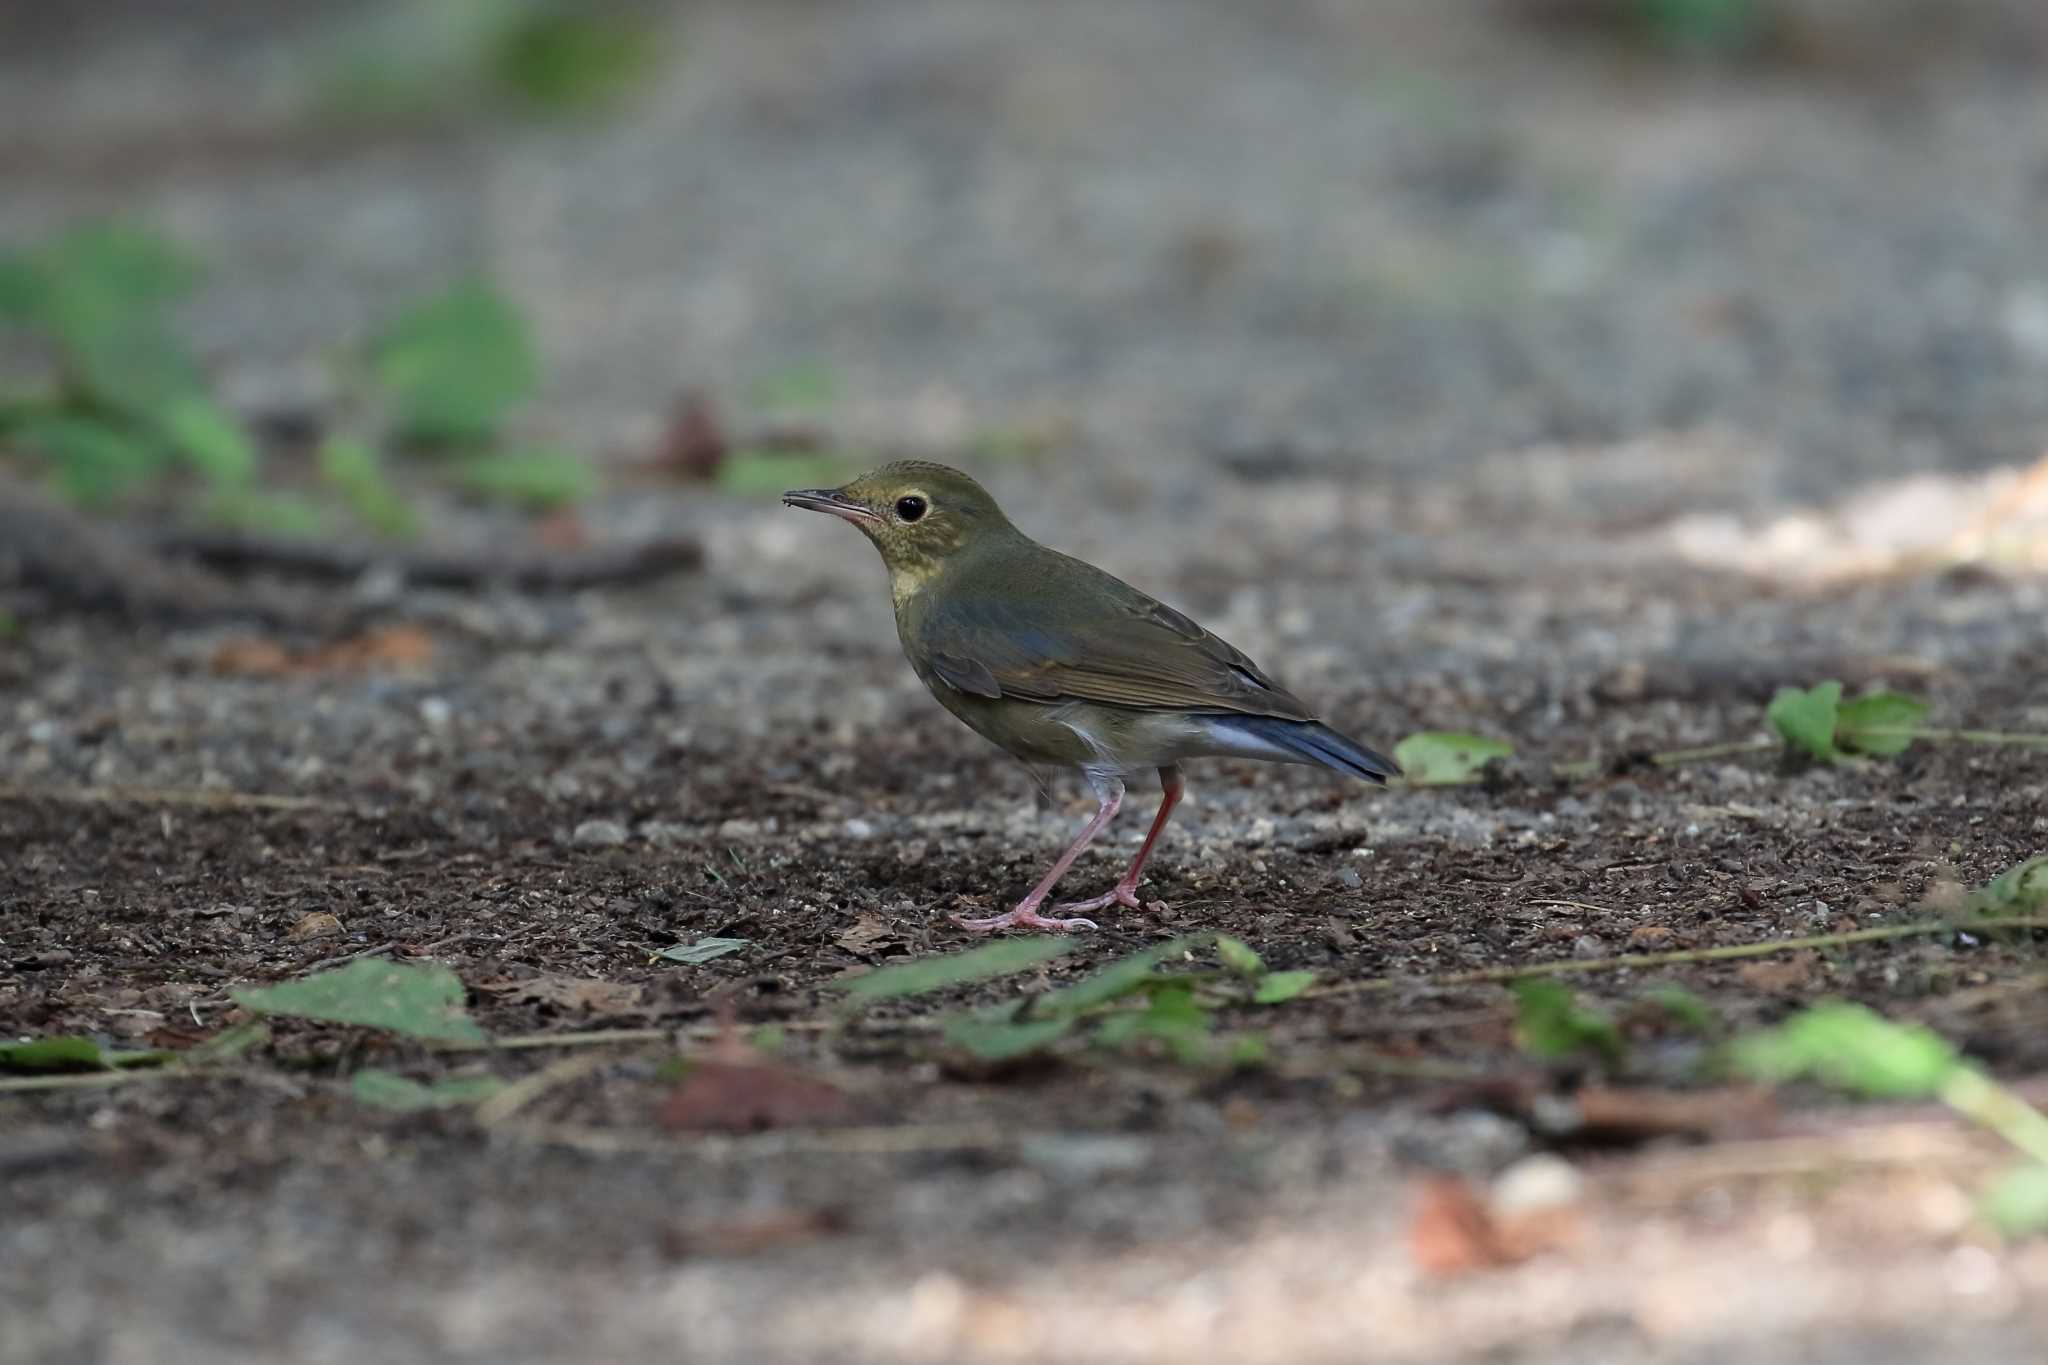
<point>1304,741</point>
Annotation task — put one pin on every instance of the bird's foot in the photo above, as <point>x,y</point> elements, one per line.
<point>1126,896</point>
<point>1024,917</point>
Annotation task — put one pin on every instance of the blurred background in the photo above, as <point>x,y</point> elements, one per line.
<point>369,269</point>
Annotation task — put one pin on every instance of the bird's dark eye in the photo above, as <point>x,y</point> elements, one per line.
<point>910,508</point>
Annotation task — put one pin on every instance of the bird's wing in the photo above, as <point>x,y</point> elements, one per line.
<point>1098,640</point>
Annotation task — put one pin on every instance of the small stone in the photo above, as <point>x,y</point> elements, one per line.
<point>1079,1159</point>
<point>1350,880</point>
<point>858,828</point>
<point>599,834</point>
<point>436,712</point>
<point>1540,1181</point>
<point>1589,945</point>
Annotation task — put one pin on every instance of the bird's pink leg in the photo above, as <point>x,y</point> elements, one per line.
<point>1126,891</point>
<point>1026,915</point>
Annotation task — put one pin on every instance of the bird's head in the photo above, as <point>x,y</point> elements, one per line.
<point>919,515</point>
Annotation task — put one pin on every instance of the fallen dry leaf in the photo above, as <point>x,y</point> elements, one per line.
<point>562,531</point>
<point>394,647</point>
<point>319,924</point>
<point>1451,1232</point>
<point>571,993</point>
<point>867,930</point>
<point>743,1236</point>
<point>748,1097</point>
<point>1781,976</point>
<point>1613,1114</point>
<point>251,658</point>
<point>692,445</point>
<point>1650,936</point>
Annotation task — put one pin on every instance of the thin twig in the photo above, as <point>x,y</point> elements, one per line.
<point>864,1141</point>
<point>603,1037</point>
<point>351,957</point>
<point>172,796</point>
<point>91,1080</point>
<point>1671,758</point>
<point>2028,741</point>
<point>500,1107</point>
<point>1724,953</point>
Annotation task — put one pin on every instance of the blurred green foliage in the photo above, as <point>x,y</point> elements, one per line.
<point>1550,1023</point>
<point>455,365</point>
<point>535,478</point>
<point>1703,26</point>
<point>1816,721</point>
<point>128,401</point>
<point>804,389</point>
<point>456,57</point>
<point>124,404</point>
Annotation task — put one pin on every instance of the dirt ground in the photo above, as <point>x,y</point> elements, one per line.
<point>1424,389</point>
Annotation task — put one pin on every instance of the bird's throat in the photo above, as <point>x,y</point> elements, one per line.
<point>907,578</point>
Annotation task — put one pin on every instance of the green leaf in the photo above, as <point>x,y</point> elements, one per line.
<point>119,264</point>
<point>2017,1201</point>
<point>806,388</point>
<point>1550,1023</point>
<point>2019,889</point>
<point>456,364</point>
<point>532,478</point>
<point>1005,957</point>
<point>413,999</point>
<point>22,291</point>
<point>73,1053</point>
<point>1279,987</point>
<point>92,461</point>
<point>1238,957</point>
<point>52,1054</point>
<point>563,61</point>
<point>1437,758</point>
<point>389,1090</point>
<point>231,1043</point>
<point>1850,1048</point>
<point>352,468</point>
<point>1807,718</point>
<point>1172,1016</point>
<point>1118,979</point>
<point>1248,1049</point>
<point>1710,27</point>
<point>1000,1040</point>
<point>765,473</point>
<point>214,442</point>
<point>703,950</point>
<point>1878,711</point>
<point>282,514</point>
<point>1688,1009</point>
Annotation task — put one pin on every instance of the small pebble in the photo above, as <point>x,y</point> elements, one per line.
<point>1348,877</point>
<point>599,834</point>
<point>1539,1181</point>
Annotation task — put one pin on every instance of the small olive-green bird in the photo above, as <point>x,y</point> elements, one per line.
<point>1063,665</point>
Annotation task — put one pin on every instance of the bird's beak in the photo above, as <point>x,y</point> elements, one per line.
<point>829,500</point>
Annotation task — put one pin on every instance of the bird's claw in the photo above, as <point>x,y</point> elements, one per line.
<point>1120,895</point>
<point>1024,917</point>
